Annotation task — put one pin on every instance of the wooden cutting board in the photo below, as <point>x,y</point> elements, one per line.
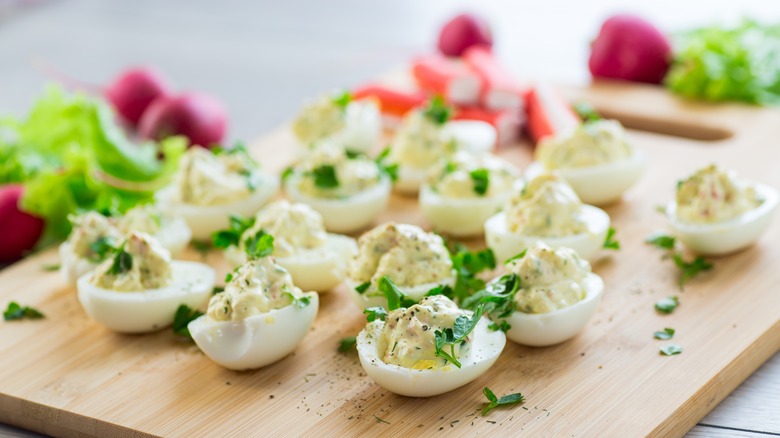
<point>66,375</point>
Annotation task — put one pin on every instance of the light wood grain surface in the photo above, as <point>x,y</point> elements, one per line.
<point>263,59</point>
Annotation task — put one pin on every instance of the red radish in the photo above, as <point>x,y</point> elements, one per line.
<point>462,32</point>
<point>630,48</point>
<point>19,231</point>
<point>198,116</point>
<point>134,89</point>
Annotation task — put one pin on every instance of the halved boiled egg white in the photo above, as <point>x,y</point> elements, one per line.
<point>372,297</point>
<point>319,269</point>
<point>174,234</point>
<point>543,329</point>
<point>460,217</point>
<point>147,310</point>
<point>506,244</point>
<point>362,127</point>
<point>601,184</point>
<point>72,266</point>
<point>204,220</point>
<point>257,340</point>
<point>728,236</point>
<point>473,136</point>
<point>347,214</point>
<point>486,347</point>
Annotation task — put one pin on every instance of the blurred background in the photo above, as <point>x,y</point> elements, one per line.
<point>264,58</point>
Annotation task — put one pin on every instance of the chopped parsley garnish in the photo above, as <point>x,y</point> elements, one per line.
<point>15,312</point>
<point>668,304</point>
<point>468,264</point>
<point>586,112</point>
<point>184,315</point>
<point>455,335</point>
<point>380,420</point>
<point>671,350</point>
<point>260,245</point>
<point>517,256</point>
<point>101,248</point>
<point>390,169</point>
<point>299,302</point>
<point>494,402</point>
<point>503,326</point>
<point>664,335</point>
<point>287,172</point>
<point>362,288</point>
<point>347,344</point>
<point>325,176</point>
<point>217,290</point>
<point>610,242</point>
<point>437,111</point>
<point>441,289</point>
<point>481,180</point>
<point>122,263</point>
<point>374,313</point>
<point>51,267</point>
<point>395,298</point>
<point>202,246</point>
<point>688,269</point>
<point>497,297</point>
<point>232,236</point>
<point>353,155</point>
<point>342,99</point>
<point>450,167</point>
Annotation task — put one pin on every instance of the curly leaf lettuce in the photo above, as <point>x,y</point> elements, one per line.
<point>718,64</point>
<point>72,156</point>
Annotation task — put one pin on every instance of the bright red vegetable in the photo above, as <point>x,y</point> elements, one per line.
<point>630,48</point>
<point>134,90</point>
<point>462,32</point>
<point>548,113</point>
<point>19,231</point>
<point>198,116</point>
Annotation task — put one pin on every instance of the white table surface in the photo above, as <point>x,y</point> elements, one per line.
<point>264,58</point>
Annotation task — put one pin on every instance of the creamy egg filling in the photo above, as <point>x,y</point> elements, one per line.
<point>140,263</point>
<point>405,253</point>
<point>331,172</point>
<point>257,287</point>
<point>320,119</point>
<point>409,333</point>
<point>294,227</point>
<point>467,175</point>
<point>420,142</point>
<point>144,218</point>
<point>207,178</point>
<point>91,232</point>
<point>550,279</point>
<point>714,195</point>
<point>590,144</point>
<point>546,207</point>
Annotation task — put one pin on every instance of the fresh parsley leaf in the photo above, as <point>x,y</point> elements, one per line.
<point>690,269</point>
<point>502,325</point>
<point>228,277</point>
<point>450,167</point>
<point>586,112</point>
<point>15,312</point>
<point>390,169</point>
<point>468,264</point>
<point>353,155</point>
<point>481,181</point>
<point>202,246</point>
<point>664,335</point>
<point>610,242</point>
<point>383,154</point>
<point>517,256</point>
<point>374,313</point>
<point>494,402</point>
<point>184,315</point>
<point>342,99</point>
<point>395,298</point>
<point>122,263</point>
<point>437,111</point>
<point>51,267</point>
<point>497,297</point>
<point>671,350</point>
<point>380,420</point>
<point>217,290</point>
<point>441,289</point>
<point>661,241</point>
<point>237,225</point>
<point>260,245</point>
<point>362,288</point>
<point>668,304</point>
<point>101,248</point>
<point>299,302</point>
<point>287,172</point>
<point>457,334</point>
<point>347,344</point>
<point>325,176</point>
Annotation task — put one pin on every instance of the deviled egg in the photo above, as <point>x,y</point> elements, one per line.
<point>173,233</point>
<point>426,136</point>
<point>416,261</point>
<point>337,119</point>
<point>546,209</point>
<point>138,288</point>
<point>258,319</point>
<point>349,190</point>
<point>89,243</point>
<point>400,352</point>
<point>464,191</point>
<point>316,260</point>
<point>212,185</point>
<point>546,298</point>
<point>595,159</point>
<point>717,212</point>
